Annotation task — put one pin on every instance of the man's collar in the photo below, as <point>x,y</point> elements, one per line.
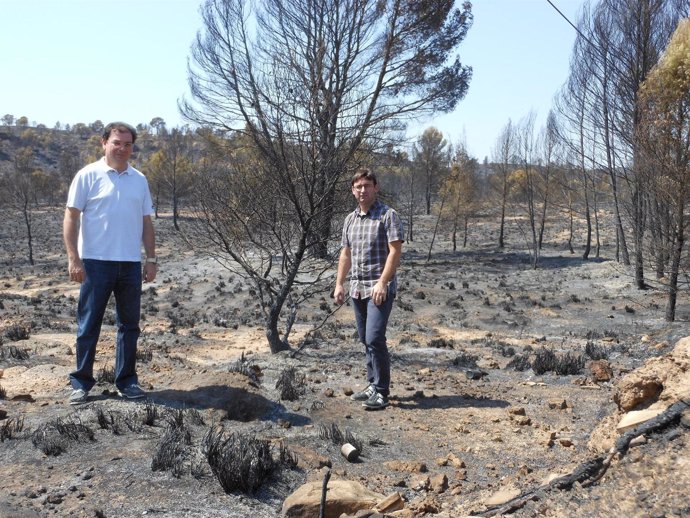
<point>373,209</point>
<point>107,168</point>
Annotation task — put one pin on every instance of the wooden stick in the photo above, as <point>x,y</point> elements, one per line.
<point>324,489</point>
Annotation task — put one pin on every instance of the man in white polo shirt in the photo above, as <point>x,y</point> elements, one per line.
<point>107,218</point>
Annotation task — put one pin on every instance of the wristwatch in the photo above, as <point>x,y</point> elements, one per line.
<point>153,260</point>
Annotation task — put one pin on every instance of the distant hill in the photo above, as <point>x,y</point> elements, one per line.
<point>57,154</point>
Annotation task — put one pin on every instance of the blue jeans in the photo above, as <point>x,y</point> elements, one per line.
<point>371,327</point>
<point>103,278</point>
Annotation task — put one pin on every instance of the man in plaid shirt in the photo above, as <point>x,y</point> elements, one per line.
<point>371,248</point>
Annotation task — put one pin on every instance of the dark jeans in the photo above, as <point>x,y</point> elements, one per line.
<point>371,326</point>
<point>103,278</point>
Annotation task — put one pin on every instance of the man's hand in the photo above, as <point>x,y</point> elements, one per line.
<point>380,293</point>
<point>76,270</point>
<point>70,234</point>
<point>150,270</point>
<point>339,294</point>
<point>344,263</point>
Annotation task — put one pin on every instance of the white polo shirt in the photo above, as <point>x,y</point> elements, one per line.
<point>112,207</point>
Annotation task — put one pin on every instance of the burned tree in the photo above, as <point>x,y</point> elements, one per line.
<point>311,85</point>
<point>430,158</point>
<point>503,155</point>
<point>618,44</point>
<point>461,189</point>
<point>664,136</point>
<point>17,193</point>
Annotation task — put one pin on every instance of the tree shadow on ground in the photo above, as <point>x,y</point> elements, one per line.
<point>445,402</point>
<point>498,257</point>
<point>237,404</point>
<point>561,261</point>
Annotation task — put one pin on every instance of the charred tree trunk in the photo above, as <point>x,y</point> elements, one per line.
<point>638,235</point>
<point>588,219</point>
<point>504,197</point>
<point>676,254</point>
<point>464,240</point>
<point>29,236</point>
<point>175,208</point>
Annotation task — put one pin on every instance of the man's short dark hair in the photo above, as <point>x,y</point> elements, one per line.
<point>121,127</point>
<point>364,173</point>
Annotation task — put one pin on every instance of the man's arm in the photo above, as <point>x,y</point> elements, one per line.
<point>344,264</point>
<point>149,239</point>
<point>380,292</point>
<point>70,235</point>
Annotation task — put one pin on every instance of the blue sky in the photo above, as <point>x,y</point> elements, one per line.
<point>85,60</point>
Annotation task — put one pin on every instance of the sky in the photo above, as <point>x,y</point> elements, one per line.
<point>72,61</point>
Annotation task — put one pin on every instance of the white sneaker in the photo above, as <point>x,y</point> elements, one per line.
<point>78,396</point>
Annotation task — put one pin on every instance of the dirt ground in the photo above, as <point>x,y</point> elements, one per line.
<point>463,425</point>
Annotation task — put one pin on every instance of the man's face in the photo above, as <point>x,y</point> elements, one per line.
<point>365,191</point>
<point>118,149</point>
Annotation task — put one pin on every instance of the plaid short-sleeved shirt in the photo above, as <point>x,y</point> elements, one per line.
<point>367,236</point>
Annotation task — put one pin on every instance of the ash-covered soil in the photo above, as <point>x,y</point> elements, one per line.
<point>469,418</point>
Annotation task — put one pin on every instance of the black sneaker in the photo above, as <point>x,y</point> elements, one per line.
<point>376,402</point>
<point>132,392</point>
<point>364,394</point>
